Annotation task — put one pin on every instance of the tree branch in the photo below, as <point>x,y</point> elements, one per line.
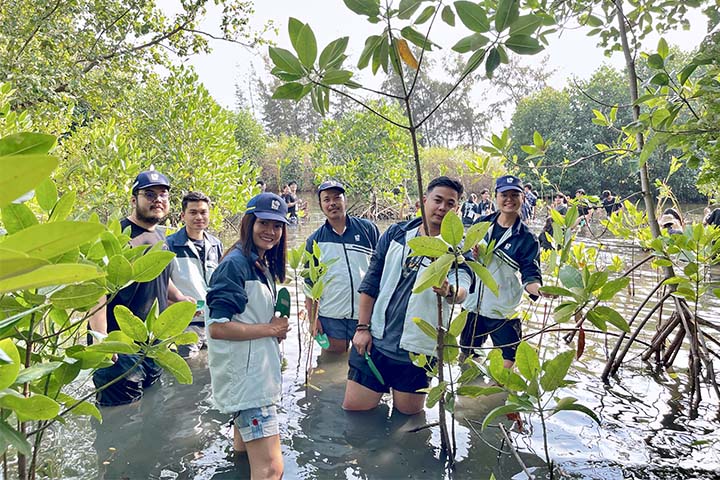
<point>37,29</point>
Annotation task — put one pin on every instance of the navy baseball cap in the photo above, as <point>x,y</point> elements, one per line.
<point>268,206</point>
<point>150,178</point>
<point>508,182</point>
<point>329,185</point>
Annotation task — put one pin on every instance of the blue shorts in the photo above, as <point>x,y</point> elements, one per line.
<point>505,334</point>
<point>343,328</point>
<point>257,423</point>
<point>400,376</point>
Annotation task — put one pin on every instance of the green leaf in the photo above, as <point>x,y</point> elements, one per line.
<point>485,276</point>
<point>655,61</point>
<point>370,8</point>
<point>289,91</point>
<point>474,62</point>
<point>435,274</point>
<point>371,44</point>
<point>435,394</point>
<point>17,216</point>
<point>113,346</point>
<point>46,194</point>
<point>85,408</point>
<point>173,320</point>
<point>473,16</point>
<point>63,207</point>
<point>686,72</point>
<point>474,234</point>
<point>119,271</point>
<point>185,338</point>
<point>451,229</point>
<point>470,374</point>
<point>36,407</point>
<point>555,371</point>
<point>527,361</point>
<point>332,52</point>
<point>523,44</point>
<point>174,363</point>
<point>611,288</point>
<point>458,323</point>
<point>492,62</point>
<point>286,61</point>
<point>22,173</point>
<point>448,16</point>
<point>151,265</point>
<point>597,319</point>
<point>570,277</point>
<point>470,43</point>
<point>49,275</point>
<point>661,79</point>
<point>496,365</point>
<point>130,325</point>
<point>477,391</point>
<point>426,328</point>
<point>9,371</point>
<point>497,412</point>
<point>407,8</point>
<point>304,43</point>
<point>559,291</point>
<point>336,77</point>
<point>613,317</point>
<point>663,48</point>
<point>38,370</point>
<point>10,436</point>
<point>525,25</point>
<point>26,143</point>
<point>417,38</point>
<point>507,13</point>
<point>425,15</point>
<point>74,297</point>
<point>569,403</point>
<point>50,240</point>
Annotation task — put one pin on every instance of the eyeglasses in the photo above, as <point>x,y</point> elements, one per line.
<point>152,196</point>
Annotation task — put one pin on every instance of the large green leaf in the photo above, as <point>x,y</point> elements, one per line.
<point>38,370</point>
<point>523,44</point>
<point>571,277</point>
<point>372,43</point>
<point>131,325</point>
<point>174,363</point>
<point>10,436</point>
<point>470,43</point>
<point>84,408</point>
<point>407,8</point>
<point>173,320</point>
<point>525,25</point>
<point>289,91</point>
<point>474,234</point>
<point>48,275</point>
<point>77,296</point>
<point>569,403</point>
<point>371,8</point>
<point>36,407</point>
<point>448,15</point>
<point>150,265</point>
<point>52,239</point>
<point>492,62</point>
<point>435,394</point>
<point>9,371</point>
<point>336,77</point>
<point>119,271</point>
<point>22,173</point>
<point>286,61</point>
<point>507,12</point>
<point>555,371</point>
<point>26,143</point>
<point>612,287</point>
<point>417,38</point>
<point>485,276</point>
<point>527,361</point>
<point>498,411</point>
<point>113,346</point>
<point>458,323</point>
<point>613,317</point>
<point>17,216</point>
<point>63,207</point>
<point>451,229</point>
<point>17,263</point>
<point>424,246</point>
<point>303,41</point>
<point>332,52</point>
<point>478,391</point>
<point>473,16</point>
<point>426,328</point>
<point>425,15</point>
<point>435,274</point>
<point>46,194</point>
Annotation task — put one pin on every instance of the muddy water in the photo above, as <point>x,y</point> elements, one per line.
<point>173,432</point>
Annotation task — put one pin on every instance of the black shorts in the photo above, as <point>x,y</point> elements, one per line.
<point>505,334</point>
<point>131,387</point>
<point>400,376</point>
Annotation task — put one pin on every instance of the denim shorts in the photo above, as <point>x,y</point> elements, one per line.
<point>257,423</point>
<point>343,328</point>
<point>400,376</point>
<point>504,332</point>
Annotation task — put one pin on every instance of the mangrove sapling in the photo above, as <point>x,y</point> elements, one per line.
<point>296,261</point>
<point>54,271</point>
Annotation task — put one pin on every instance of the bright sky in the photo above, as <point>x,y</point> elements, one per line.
<point>573,54</point>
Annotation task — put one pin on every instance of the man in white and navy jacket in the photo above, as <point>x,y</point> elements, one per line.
<point>197,254</point>
<point>386,331</point>
<point>350,242</point>
<point>515,266</point>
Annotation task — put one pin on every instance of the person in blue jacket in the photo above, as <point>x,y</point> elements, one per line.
<point>516,251</point>
<point>244,333</point>
<point>386,330</point>
<point>346,245</point>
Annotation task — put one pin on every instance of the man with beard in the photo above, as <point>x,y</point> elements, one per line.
<point>350,242</point>
<point>150,204</point>
<point>197,254</point>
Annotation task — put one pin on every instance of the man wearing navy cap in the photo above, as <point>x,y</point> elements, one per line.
<point>351,242</point>
<point>516,250</point>
<point>150,205</point>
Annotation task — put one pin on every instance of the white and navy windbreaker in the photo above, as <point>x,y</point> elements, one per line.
<point>517,253</point>
<point>392,275</point>
<point>352,251</point>
<point>244,373</point>
<point>188,273</point>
